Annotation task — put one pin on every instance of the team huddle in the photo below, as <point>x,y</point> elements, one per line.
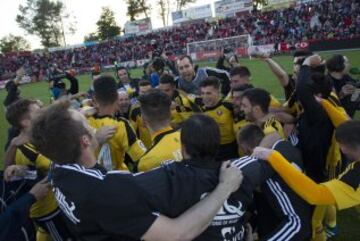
<point>186,153</point>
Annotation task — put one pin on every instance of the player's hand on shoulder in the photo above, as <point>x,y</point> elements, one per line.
<point>230,177</point>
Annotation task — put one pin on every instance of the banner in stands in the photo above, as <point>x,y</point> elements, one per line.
<point>334,44</point>
<point>228,8</point>
<point>138,26</point>
<point>300,45</point>
<point>74,46</point>
<point>199,12</point>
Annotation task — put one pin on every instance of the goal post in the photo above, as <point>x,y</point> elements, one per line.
<point>212,49</point>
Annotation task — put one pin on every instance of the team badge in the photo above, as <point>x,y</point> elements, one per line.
<point>219,112</point>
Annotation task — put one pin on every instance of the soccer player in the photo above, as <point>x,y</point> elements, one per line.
<point>156,115</point>
<point>176,185</point>
<point>222,112</point>
<point>240,76</point>
<point>112,206</point>
<point>190,76</point>
<point>135,116</point>
<point>45,212</point>
<point>255,105</point>
<point>112,153</point>
<point>315,130</point>
<point>288,81</point>
<point>344,191</point>
<point>124,104</point>
<point>238,114</point>
<point>280,212</point>
<point>182,107</point>
<point>344,85</point>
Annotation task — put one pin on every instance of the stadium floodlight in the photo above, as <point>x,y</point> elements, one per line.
<point>208,49</point>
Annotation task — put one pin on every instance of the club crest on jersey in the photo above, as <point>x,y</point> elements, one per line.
<point>219,112</point>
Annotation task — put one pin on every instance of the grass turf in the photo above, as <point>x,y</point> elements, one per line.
<point>261,77</point>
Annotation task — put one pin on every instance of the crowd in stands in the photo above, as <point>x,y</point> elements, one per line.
<point>315,20</point>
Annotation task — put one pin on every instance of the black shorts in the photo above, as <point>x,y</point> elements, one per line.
<point>55,225</point>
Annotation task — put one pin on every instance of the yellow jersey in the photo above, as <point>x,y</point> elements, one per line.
<point>166,146</point>
<point>26,155</point>
<point>112,153</point>
<point>346,188</point>
<point>222,113</point>
<point>182,108</point>
<point>273,125</point>
<point>137,123</point>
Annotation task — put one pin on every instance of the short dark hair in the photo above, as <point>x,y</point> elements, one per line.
<point>167,79</point>
<point>56,135</point>
<point>211,81</point>
<point>260,97</point>
<point>321,84</point>
<point>251,135</point>
<point>105,89</point>
<point>242,87</point>
<point>121,68</point>
<point>303,54</point>
<point>348,133</point>
<point>158,64</point>
<point>18,111</point>
<point>144,83</point>
<point>336,63</point>
<point>240,70</point>
<point>186,57</point>
<point>155,105</point>
<point>200,136</point>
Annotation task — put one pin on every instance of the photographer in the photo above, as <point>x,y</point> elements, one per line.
<point>56,84</point>
<point>230,57</point>
<point>344,85</point>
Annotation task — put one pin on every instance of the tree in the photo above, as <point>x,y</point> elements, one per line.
<point>106,25</point>
<point>13,43</point>
<point>137,7</point>
<point>164,10</point>
<point>180,4</point>
<point>45,19</point>
<point>91,37</point>
<point>132,9</point>
<point>145,8</point>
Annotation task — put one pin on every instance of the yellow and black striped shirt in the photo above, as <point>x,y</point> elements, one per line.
<point>27,155</point>
<point>166,146</point>
<point>123,141</point>
<point>184,107</point>
<point>137,123</point>
<point>272,125</point>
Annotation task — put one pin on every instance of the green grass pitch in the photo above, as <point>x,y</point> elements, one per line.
<point>349,220</point>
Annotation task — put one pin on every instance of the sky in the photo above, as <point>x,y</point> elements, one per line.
<point>86,13</point>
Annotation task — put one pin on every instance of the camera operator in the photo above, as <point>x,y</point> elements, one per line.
<point>57,85</point>
<point>228,56</point>
<point>346,87</point>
